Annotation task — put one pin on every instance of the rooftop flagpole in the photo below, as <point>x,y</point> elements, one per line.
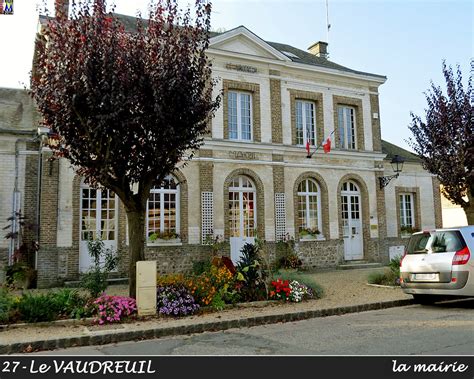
<point>327,21</point>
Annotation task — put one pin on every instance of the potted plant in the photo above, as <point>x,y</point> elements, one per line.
<point>163,237</point>
<point>20,275</point>
<point>407,230</point>
<point>309,233</point>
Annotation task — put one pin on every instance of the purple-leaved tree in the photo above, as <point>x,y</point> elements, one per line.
<point>127,106</point>
<point>445,141</point>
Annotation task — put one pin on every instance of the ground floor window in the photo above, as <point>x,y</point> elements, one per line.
<point>407,212</point>
<point>163,211</point>
<point>242,214</point>
<point>309,208</point>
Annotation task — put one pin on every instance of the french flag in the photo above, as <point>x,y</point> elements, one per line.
<point>327,145</point>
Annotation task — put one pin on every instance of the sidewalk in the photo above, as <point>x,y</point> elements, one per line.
<point>344,292</point>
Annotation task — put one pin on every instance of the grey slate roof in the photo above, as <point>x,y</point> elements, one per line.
<point>304,57</point>
<point>391,150</point>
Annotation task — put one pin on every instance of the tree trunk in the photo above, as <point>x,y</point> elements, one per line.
<point>136,244</point>
<point>469,209</point>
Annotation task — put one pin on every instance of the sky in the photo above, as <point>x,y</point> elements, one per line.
<point>405,40</point>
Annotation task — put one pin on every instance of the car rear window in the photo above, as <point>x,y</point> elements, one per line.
<point>417,243</point>
<point>436,242</point>
<point>446,241</point>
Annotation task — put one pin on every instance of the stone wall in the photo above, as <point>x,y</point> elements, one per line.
<point>320,254</point>
<point>172,259</point>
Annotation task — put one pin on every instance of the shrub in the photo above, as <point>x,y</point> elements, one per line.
<point>200,267</point>
<point>175,301</point>
<point>386,278</point>
<point>171,280</point>
<point>104,261</point>
<point>251,274</point>
<point>299,292</point>
<point>217,282</point>
<point>37,307</point>
<point>394,266</point>
<point>6,305</point>
<point>110,309</point>
<point>289,291</point>
<point>308,281</point>
<point>69,303</point>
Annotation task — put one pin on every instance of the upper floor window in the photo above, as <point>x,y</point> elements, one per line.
<point>239,105</point>
<point>305,122</point>
<point>407,212</point>
<point>347,127</point>
<point>163,211</point>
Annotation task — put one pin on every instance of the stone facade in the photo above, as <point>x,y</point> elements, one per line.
<point>359,122</point>
<point>272,161</point>
<point>317,98</point>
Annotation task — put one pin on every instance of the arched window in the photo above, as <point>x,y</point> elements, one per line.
<point>242,213</point>
<point>309,208</point>
<point>163,211</point>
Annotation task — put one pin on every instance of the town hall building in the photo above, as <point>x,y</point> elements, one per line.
<point>252,178</point>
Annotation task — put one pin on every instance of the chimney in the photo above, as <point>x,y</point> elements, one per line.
<point>61,8</point>
<point>320,49</point>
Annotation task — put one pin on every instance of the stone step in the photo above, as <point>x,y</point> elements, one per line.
<point>76,283</point>
<point>354,265</point>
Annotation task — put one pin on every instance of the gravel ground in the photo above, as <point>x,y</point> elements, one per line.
<point>341,288</point>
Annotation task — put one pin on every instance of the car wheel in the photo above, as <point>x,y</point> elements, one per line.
<point>424,299</point>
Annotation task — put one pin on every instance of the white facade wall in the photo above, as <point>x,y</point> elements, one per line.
<point>65,204</point>
<point>412,176</point>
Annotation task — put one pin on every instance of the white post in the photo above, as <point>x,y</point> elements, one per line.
<point>146,288</point>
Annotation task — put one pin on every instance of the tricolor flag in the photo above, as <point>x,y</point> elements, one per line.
<point>327,145</point>
<point>308,148</point>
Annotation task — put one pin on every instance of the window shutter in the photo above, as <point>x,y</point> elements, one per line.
<point>280,216</point>
<point>207,215</point>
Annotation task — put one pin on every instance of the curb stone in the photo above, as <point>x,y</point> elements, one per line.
<point>121,336</point>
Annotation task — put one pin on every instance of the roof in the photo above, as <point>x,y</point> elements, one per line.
<point>391,150</point>
<point>301,56</point>
<point>296,55</point>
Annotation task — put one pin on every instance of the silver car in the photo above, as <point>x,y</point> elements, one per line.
<point>438,263</point>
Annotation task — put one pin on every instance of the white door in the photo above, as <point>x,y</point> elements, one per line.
<point>242,215</point>
<point>352,222</point>
<point>98,221</point>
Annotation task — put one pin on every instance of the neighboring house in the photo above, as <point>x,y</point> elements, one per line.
<point>453,215</point>
<point>252,177</point>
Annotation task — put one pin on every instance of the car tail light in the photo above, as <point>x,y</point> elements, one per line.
<point>462,256</point>
<point>403,257</point>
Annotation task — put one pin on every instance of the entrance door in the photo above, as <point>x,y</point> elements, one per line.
<point>242,215</point>
<point>352,222</point>
<point>98,221</point>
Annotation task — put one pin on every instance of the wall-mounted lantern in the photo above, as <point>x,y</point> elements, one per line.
<point>397,167</point>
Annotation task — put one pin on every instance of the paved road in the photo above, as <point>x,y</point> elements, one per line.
<point>444,329</point>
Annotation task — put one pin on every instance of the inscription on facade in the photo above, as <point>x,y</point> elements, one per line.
<point>241,67</point>
<point>246,155</point>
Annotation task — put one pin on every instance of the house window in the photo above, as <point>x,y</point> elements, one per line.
<point>407,212</point>
<point>163,211</point>
<point>239,105</point>
<point>305,123</point>
<point>347,127</point>
<point>309,208</point>
<point>242,212</point>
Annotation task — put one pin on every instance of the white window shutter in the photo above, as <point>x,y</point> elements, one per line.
<point>280,216</point>
<point>207,215</point>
